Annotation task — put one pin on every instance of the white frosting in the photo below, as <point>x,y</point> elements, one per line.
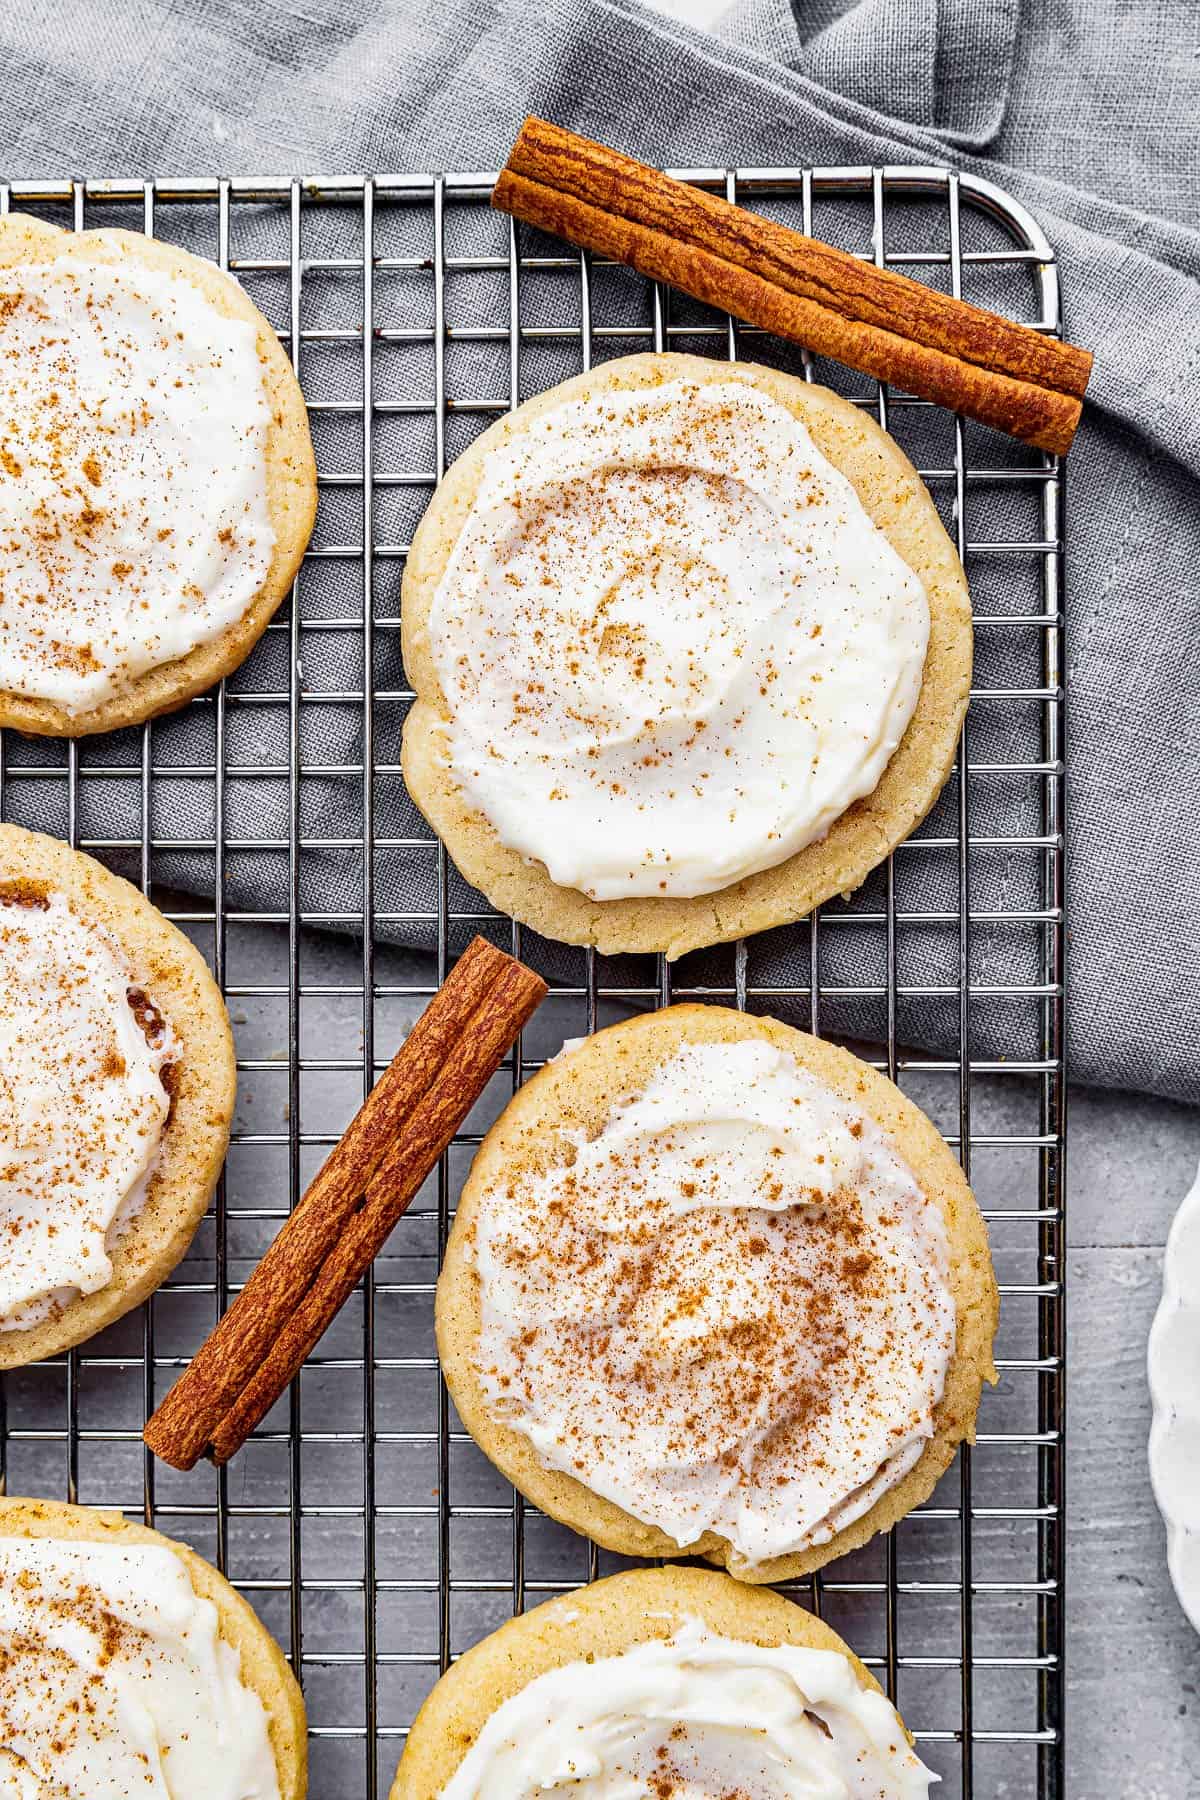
<point>674,646</point>
<point>82,1108</point>
<point>729,1313</point>
<point>133,485</point>
<point>697,1716</point>
<point>115,1683</point>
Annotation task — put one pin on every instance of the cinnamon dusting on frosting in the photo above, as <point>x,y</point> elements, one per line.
<point>88,1070</point>
<point>124,396</point>
<point>115,1680</point>
<point>726,1311</point>
<point>666,611</point>
<point>693,1715</point>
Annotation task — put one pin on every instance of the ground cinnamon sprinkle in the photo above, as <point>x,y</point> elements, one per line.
<point>54,1669</point>
<point>741,1336</point>
<point>84,1121</point>
<point>22,891</point>
<point>71,1697</point>
<point>106,426</point>
<point>673,621</point>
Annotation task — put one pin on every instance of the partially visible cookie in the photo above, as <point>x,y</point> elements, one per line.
<point>716,1287</point>
<point>157,479</point>
<point>117,1084</point>
<point>674,1680</point>
<point>626,711</point>
<point>233,1710</point>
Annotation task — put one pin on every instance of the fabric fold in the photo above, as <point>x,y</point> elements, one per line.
<point>942,64</point>
<point>1087,116</point>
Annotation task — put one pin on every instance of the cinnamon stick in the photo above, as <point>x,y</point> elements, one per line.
<point>344,1218</point>
<point>876,320</point>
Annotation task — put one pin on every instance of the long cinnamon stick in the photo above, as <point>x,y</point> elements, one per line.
<point>345,1216</point>
<point>961,356</point>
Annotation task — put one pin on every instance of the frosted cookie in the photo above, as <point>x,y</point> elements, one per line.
<point>130,1666</point>
<point>660,1682</point>
<point>117,1080</point>
<point>716,1286</point>
<point>157,482</point>
<point>691,652</point>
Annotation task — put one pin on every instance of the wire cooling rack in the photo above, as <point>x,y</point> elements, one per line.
<point>269,820</point>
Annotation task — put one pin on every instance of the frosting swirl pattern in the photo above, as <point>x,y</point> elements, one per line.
<point>696,1716</point>
<point>674,646</point>
<point>728,1311</point>
<point>83,1105</point>
<point>134,523</point>
<point>115,1681</point>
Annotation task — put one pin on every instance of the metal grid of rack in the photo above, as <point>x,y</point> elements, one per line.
<point>362,1523</point>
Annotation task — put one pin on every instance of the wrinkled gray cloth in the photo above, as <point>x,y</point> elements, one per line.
<point>1084,109</point>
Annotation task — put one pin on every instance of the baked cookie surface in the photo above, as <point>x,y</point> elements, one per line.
<point>607,1620</point>
<point>858,838</point>
<point>172,984</point>
<point>690,1297</point>
<point>60,484</point>
<point>263,1668</point>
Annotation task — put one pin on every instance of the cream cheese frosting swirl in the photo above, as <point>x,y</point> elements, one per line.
<point>673,645</point>
<point>727,1311</point>
<point>696,1716</point>
<point>83,1105</point>
<point>134,522</point>
<point>115,1681</point>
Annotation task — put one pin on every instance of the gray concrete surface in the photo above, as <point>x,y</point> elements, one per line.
<point>1133,1661</point>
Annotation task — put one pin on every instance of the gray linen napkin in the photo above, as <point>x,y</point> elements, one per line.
<point>1085,111</point>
